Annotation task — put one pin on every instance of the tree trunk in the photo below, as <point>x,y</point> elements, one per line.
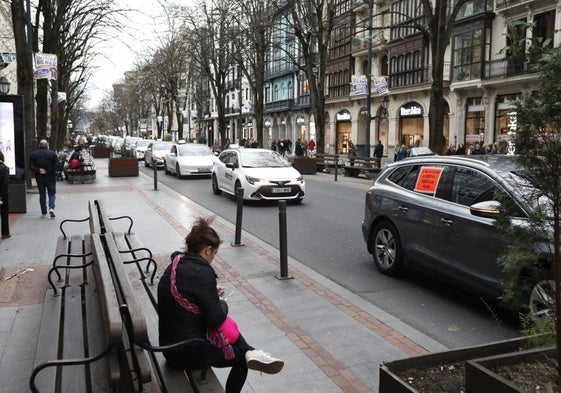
<point>25,81</point>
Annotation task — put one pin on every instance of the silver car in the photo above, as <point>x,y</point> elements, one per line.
<point>437,214</point>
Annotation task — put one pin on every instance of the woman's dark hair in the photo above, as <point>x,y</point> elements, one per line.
<point>202,235</point>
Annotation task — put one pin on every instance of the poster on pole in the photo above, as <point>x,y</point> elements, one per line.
<point>45,66</point>
<point>380,85</point>
<point>360,85</point>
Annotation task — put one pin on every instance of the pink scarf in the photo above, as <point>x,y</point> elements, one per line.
<point>214,335</point>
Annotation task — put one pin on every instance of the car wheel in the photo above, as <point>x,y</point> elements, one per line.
<point>166,170</point>
<point>387,249</point>
<point>146,163</point>
<point>542,299</point>
<point>177,171</point>
<point>215,189</point>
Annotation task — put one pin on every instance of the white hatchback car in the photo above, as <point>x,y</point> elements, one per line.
<point>263,174</point>
<point>189,159</point>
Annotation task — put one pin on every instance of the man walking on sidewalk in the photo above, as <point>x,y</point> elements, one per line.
<point>43,163</point>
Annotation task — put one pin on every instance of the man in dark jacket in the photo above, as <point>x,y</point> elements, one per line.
<point>43,163</point>
<point>4,182</point>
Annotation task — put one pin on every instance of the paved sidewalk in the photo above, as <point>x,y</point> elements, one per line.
<point>330,339</point>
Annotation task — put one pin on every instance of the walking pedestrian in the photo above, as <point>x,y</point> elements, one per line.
<point>190,307</point>
<point>4,184</point>
<point>378,153</point>
<point>43,163</point>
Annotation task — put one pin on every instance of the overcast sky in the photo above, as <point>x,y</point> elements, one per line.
<point>119,54</point>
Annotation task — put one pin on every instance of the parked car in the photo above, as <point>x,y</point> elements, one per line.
<point>128,146</point>
<point>140,147</point>
<point>262,173</point>
<point>189,159</point>
<point>155,152</point>
<point>437,215</point>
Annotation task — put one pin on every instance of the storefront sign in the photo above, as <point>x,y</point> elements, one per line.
<point>410,110</point>
<point>344,116</point>
<point>300,120</point>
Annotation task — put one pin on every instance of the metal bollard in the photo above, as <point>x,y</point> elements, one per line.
<point>155,175</point>
<point>239,216</point>
<point>336,166</point>
<point>282,242</point>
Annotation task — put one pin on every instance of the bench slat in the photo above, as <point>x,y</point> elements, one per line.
<point>105,331</point>
<point>73,377</point>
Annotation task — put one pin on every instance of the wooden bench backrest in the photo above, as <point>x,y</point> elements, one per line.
<point>95,223</point>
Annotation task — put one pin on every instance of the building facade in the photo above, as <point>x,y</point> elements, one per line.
<point>481,79</point>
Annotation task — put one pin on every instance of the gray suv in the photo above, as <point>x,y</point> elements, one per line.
<point>438,215</point>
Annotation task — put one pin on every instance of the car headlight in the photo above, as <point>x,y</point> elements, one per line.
<point>252,180</point>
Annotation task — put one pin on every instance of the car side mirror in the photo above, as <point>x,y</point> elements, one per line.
<point>486,209</point>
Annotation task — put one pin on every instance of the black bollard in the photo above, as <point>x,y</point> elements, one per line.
<point>336,166</point>
<point>239,216</point>
<point>282,242</point>
<point>155,175</point>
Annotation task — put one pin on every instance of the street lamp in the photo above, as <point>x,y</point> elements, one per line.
<point>4,85</point>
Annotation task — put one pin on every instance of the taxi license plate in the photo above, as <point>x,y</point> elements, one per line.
<point>280,190</point>
<point>204,170</point>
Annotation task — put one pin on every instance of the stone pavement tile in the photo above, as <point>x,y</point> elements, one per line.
<point>7,315</point>
<point>15,376</point>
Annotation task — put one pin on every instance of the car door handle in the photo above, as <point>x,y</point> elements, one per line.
<point>403,209</point>
<point>446,221</point>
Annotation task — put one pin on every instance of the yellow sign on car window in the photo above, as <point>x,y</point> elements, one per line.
<point>428,180</point>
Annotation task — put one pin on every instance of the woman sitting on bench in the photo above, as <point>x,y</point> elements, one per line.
<point>189,306</point>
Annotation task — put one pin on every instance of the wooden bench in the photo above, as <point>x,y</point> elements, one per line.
<point>367,166</point>
<point>79,343</point>
<point>327,162</point>
<point>133,270</point>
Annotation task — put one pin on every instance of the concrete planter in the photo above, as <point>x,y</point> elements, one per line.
<point>305,165</point>
<point>481,378</point>
<point>119,166</point>
<point>390,382</point>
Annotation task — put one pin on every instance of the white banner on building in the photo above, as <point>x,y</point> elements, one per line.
<point>379,85</point>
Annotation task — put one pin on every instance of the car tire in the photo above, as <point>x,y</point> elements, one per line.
<point>387,251</point>
<point>541,302</point>
<point>166,170</point>
<point>177,171</point>
<point>146,163</point>
<point>215,189</point>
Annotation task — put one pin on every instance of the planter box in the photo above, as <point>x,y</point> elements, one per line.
<point>390,382</point>
<point>305,165</point>
<point>481,378</point>
<point>119,166</point>
<point>101,152</point>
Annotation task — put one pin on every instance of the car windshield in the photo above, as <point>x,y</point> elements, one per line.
<point>194,150</point>
<point>262,159</point>
<point>143,142</point>
<point>161,146</point>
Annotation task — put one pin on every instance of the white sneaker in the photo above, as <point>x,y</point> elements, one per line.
<point>52,213</point>
<point>43,216</point>
<point>262,361</point>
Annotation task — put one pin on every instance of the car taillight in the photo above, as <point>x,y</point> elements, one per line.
<point>368,194</point>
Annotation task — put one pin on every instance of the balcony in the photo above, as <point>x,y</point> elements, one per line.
<point>279,106</point>
<point>503,68</point>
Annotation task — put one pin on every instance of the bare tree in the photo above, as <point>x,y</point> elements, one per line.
<point>252,44</point>
<point>312,23</point>
<point>212,28</point>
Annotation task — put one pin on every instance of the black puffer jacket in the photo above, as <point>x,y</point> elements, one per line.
<point>196,281</point>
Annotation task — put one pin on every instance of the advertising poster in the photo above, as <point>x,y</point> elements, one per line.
<point>45,66</point>
<point>7,135</point>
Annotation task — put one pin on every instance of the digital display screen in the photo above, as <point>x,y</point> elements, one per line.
<point>7,135</point>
